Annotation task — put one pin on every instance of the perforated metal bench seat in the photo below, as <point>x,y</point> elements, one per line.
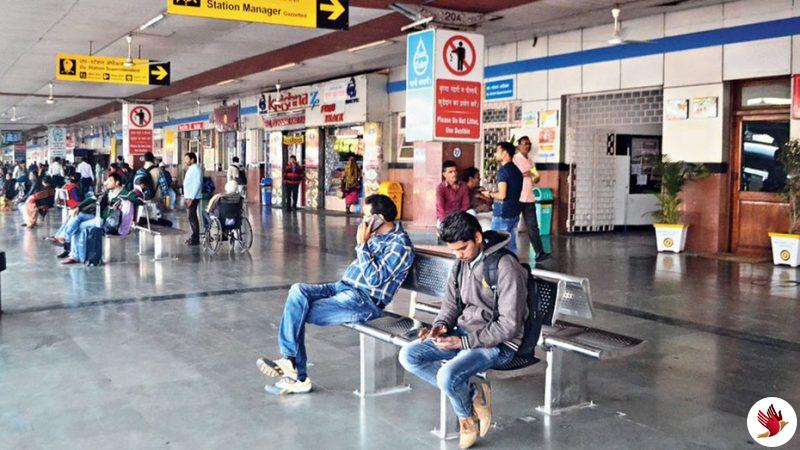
<point>399,330</point>
<point>390,327</point>
<point>591,342</point>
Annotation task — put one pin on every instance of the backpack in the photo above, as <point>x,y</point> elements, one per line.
<point>533,322</point>
<point>207,188</point>
<point>166,177</point>
<point>142,177</point>
<point>242,178</point>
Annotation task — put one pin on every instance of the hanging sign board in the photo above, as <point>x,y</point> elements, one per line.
<point>137,129</point>
<point>103,69</point>
<point>57,142</point>
<point>330,14</point>
<point>444,76</point>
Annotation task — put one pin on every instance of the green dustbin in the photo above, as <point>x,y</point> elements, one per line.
<point>544,209</point>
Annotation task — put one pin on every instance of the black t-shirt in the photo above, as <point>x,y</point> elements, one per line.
<point>510,207</point>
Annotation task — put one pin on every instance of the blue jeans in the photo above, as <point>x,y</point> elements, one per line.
<point>77,240</point>
<point>450,370</point>
<point>321,304</point>
<point>71,227</point>
<point>508,225</point>
<point>172,197</point>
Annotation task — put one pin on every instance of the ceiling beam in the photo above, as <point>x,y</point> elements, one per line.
<point>384,27</point>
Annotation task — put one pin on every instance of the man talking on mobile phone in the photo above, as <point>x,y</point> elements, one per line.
<point>384,255</point>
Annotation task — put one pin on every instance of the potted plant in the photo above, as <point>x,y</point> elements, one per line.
<point>670,233</point>
<point>786,246</point>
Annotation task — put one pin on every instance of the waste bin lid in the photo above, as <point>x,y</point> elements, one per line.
<point>543,194</point>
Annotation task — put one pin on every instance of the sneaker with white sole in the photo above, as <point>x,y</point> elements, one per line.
<point>282,368</point>
<point>290,386</point>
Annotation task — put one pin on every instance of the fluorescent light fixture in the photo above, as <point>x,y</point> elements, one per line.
<point>183,93</point>
<point>370,45</point>
<point>232,80</point>
<point>285,66</point>
<point>152,22</point>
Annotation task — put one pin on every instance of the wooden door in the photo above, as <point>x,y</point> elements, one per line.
<point>757,181</point>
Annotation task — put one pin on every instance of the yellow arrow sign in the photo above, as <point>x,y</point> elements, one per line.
<point>104,69</point>
<point>331,14</point>
<point>334,7</point>
<point>160,73</point>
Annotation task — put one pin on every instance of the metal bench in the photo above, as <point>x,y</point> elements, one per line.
<point>113,248</point>
<point>569,348</point>
<point>160,241</point>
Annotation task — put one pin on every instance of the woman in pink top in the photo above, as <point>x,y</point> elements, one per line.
<point>526,200</point>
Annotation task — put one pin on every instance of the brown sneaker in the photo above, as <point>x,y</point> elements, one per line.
<point>482,406</point>
<point>468,433</point>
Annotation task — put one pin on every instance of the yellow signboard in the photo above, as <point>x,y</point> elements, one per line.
<point>104,69</point>
<point>331,14</point>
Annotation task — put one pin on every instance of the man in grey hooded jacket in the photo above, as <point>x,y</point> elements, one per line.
<point>473,335</point>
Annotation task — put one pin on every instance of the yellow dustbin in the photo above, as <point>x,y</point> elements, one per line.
<point>394,191</point>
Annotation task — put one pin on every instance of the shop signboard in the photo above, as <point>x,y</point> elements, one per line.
<point>137,129</point>
<point>287,101</point>
<point>20,150</point>
<point>226,118</point>
<point>105,69</point>
<point>330,14</point>
<point>344,102</point>
<point>190,126</point>
<point>57,142</point>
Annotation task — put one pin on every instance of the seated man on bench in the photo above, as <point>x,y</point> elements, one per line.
<point>477,328</point>
<point>384,255</point>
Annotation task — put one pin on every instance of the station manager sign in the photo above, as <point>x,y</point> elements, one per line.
<point>331,14</point>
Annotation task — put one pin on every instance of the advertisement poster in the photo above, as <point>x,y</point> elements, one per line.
<point>676,109</point>
<point>548,119</point>
<point>704,107</point>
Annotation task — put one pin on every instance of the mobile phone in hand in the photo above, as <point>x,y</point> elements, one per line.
<point>375,221</point>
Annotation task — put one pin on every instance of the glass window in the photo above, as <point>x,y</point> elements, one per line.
<point>762,141</point>
<point>767,94</point>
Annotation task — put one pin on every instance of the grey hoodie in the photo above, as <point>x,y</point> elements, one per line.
<point>478,300</point>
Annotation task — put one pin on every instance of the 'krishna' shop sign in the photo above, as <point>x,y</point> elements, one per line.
<point>335,102</point>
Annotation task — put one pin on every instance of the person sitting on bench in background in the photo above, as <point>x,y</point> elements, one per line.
<point>477,328</point>
<point>384,255</point>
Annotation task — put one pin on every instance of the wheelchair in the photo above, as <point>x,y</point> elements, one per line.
<point>227,223</point>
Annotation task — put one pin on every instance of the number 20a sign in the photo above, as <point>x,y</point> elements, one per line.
<point>444,77</point>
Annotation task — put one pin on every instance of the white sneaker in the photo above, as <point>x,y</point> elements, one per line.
<point>290,386</point>
<point>279,368</point>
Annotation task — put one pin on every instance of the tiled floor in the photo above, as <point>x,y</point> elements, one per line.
<point>149,354</point>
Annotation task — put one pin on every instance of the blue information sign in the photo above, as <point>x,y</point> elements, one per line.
<point>500,89</point>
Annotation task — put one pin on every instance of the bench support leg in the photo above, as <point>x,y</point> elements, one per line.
<point>565,383</point>
<point>381,372</point>
<point>146,244</point>
<point>164,247</point>
<point>448,422</point>
<point>113,250</point>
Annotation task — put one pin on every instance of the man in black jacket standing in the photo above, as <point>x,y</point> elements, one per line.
<point>477,328</point>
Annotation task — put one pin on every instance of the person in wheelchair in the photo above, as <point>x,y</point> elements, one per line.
<point>227,207</point>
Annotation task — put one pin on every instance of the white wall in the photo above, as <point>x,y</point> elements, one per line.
<point>695,140</point>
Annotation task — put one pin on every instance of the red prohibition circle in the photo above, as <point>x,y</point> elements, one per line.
<point>451,44</point>
<point>147,116</point>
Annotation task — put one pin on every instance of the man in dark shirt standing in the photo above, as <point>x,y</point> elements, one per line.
<point>451,194</point>
<point>505,214</point>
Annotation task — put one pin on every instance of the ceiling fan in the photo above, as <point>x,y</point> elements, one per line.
<point>616,36</point>
<point>14,117</point>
